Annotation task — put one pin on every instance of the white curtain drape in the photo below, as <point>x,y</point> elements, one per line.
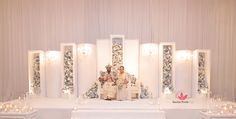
<point>44,24</point>
<point>1,54</point>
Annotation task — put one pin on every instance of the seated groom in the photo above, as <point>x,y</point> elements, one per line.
<point>107,80</point>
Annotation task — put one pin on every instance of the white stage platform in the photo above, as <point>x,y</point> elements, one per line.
<point>11,115</point>
<point>205,115</point>
<point>61,108</point>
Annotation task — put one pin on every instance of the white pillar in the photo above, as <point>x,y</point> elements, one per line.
<point>103,54</point>
<point>183,71</point>
<point>86,67</point>
<point>131,57</point>
<point>53,74</point>
<point>148,72</point>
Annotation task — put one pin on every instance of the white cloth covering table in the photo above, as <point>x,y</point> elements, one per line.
<point>118,114</point>
<point>100,109</point>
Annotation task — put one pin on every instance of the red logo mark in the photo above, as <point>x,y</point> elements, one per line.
<point>182,97</point>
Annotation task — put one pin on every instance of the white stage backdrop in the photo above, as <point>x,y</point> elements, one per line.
<point>44,24</point>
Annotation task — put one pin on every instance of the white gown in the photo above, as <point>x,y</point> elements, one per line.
<point>122,89</point>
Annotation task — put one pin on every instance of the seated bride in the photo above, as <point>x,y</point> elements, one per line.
<point>122,85</point>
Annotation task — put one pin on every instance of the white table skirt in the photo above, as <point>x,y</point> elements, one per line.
<point>118,114</point>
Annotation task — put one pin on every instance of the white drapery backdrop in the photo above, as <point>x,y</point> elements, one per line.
<point>44,24</point>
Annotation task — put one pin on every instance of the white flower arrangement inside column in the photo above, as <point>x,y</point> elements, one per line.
<point>35,84</point>
<point>202,79</point>
<point>167,54</point>
<point>36,73</point>
<point>117,50</point>
<point>69,69</point>
<point>201,71</point>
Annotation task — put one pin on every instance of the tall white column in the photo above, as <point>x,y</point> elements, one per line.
<point>53,74</point>
<point>103,54</point>
<point>131,57</point>
<point>183,71</point>
<point>148,72</point>
<point>86,67</point>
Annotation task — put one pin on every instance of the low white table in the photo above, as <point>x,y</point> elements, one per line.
<point>205,115</point>
<point>13,115</point>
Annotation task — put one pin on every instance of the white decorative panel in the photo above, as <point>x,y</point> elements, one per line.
<point>86,67</point>
<point>103,54</point>
<point>69,72</point>
<point>148,73</point>
<point>117,51</point>
<point>36,68</point>
<point>201,71</point>
<point>167,67</point>
<point>53,73</point>
<point>183,71</point>
<point>131,57</point>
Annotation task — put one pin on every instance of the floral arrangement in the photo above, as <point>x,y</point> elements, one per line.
<point>117,52</point>
<point>202,79</point>
<point>92,92</point>
<point>167,67</point>
<point>68,68</point>
<point>133,80</point>
<point>35,82</point>
<point>120,83</point>
<point>144,92</point>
